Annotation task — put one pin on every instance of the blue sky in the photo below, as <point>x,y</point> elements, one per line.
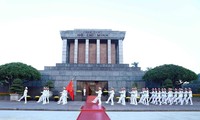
<point>157,31</point>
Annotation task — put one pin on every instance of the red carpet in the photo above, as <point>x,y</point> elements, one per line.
<point>90,99</point>
<point>91,111</point>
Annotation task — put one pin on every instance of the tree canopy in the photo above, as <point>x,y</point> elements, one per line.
<point>177,74</point>
<point>167,83</point>
<point>14,70</point>
<point>17,86</point>
<point>49,84</point>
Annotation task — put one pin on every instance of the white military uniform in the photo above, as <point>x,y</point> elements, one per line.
<point>84,92</point>
<point>169,97</point>
<point>163,96</point>
<point>99,93</point>
<point>185,96</point>
<point>155,97</point>
<point>142,96</point>
<point>24,95</point>
<point>180,97</point>
<point>122,97</point>
<point>145,100</point>
<point>152,96</point>
<point>43,97</point>
<point>133,99</point>
<point>47,95</point>
<point>63,98</point>
<point>175,97</point>
<point>111,96</point>
<point>158,98</point>
<point>189,97</point>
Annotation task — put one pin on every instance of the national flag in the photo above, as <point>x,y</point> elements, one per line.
<point>70,89</point>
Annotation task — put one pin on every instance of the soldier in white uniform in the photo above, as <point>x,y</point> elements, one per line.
<point>99,93</point>
<point>84,91</point>
<point>155,96</point>
<point>180,96</point>
<point>122,96</point>
<point>111,96</point>
<point>189,96</point>
<point>175,95</point>
<point>152,95</point>
<point>47,94</point>
<point>164,95</point>
<point>132,96</point>
<point>43,96</point>
<point>169,96</point>
<point>185,95</point>
<point>147,96</point>
<point>158,97</point>
<point>142,96</point>
<point>24,95</point>
<point>63,98</point>
<point>133,99</point>
<point>145,100</point>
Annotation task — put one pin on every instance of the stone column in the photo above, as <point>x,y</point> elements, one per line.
<point>75,50</point>
<point>98,51</point>
<point>87,51</point>
<point>64,51</point>
<point>120,44</point>
<point>109,51</point>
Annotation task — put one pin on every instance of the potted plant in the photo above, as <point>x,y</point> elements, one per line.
<point>16,89</point>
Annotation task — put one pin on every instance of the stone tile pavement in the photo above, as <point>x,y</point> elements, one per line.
<point>76,106</point>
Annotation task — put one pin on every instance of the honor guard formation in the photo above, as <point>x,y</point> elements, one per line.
<point>157,96</point>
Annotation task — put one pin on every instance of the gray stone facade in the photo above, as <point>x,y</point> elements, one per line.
<point>117,75</point>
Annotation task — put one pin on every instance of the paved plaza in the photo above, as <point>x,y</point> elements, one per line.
<point>76,106</point>
<point>36,111</point>
<point>72,115</point>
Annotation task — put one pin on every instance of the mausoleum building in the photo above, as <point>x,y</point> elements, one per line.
<point>92,58</point>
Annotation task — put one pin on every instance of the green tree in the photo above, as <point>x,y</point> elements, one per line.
<point>176,73</point>
<point>11,71</point>
<point>167,83</point>
<point>134,85</point>
<point>17,86</point>
<point>49,84</point>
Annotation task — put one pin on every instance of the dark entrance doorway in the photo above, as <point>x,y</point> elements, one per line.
<point>91,86</point>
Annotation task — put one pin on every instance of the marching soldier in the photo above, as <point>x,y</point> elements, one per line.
<point>122,96</point>
<point>142,96</point>
<point>163,95</point>
<point>189,96</point>
<point>169,96</point>
<point>99,93</point>
<point>63,98</point>
<point>133,98</point>
<point>158,97</point>
<point>24,95</point>
<point>180,96</point>
<point>43,96</point>
<point>185,95</point>
<point>152,95</point>
<point>111,96</point>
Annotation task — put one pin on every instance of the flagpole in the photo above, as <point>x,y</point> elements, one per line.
<point>73,78</point>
